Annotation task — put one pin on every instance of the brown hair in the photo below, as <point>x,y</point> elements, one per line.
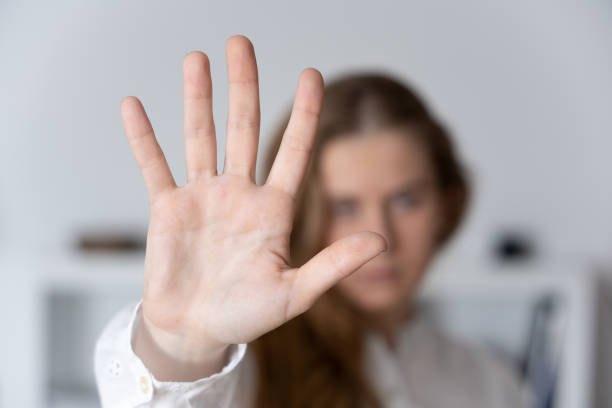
<point>315,359</point>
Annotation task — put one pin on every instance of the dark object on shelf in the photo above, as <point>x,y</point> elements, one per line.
<point>512,246</point>
<point>110,241</point>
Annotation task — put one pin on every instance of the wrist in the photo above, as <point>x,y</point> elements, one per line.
<point>172,357</point>
<point>183,348</point>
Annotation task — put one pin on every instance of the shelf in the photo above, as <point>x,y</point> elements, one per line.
<point>65,299</point>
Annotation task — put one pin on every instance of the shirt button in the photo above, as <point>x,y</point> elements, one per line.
<point>114,368</point>
<point>143,381</point>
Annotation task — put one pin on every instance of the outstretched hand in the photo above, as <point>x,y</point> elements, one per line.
<point>217,256</point>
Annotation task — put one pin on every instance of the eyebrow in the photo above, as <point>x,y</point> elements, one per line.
<point>411,185</point>
<point>417,184</point>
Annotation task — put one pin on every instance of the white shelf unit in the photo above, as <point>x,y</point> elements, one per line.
<point>576,288</point>
<point>57,305</point>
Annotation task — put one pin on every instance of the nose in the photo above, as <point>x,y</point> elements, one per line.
<point>380,222</point>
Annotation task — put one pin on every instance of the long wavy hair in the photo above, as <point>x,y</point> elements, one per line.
<point>315,359</point>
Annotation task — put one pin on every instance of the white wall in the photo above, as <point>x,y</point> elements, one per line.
<point>525,86</point>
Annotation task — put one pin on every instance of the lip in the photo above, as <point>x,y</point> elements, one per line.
<point>381,275</point>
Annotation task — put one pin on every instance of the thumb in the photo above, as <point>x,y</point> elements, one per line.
<point>331,264</point>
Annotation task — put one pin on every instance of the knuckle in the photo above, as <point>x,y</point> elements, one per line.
<point>335,260</point>
<point>310,112</point>
<point>243,121</point>
<point>299,144</point>
<point>200,131</point>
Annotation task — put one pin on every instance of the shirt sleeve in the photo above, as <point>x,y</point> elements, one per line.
<point>123,381</point>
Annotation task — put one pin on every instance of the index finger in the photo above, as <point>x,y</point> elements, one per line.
<point>291,161</point>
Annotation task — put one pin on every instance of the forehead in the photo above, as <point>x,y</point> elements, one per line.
<point>373,161</point>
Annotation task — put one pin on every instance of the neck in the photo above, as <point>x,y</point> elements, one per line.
<point>388,322</point>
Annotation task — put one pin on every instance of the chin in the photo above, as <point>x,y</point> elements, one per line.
<point>378,300</point>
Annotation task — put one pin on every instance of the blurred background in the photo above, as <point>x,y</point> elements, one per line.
<point>525,88</point>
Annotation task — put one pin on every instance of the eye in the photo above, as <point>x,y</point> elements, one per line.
<point>405,200</point>
<point>342,208</point>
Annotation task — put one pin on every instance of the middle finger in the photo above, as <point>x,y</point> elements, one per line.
<point>243,115</point>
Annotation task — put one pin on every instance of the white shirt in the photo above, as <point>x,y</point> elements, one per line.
<point>428,370</point>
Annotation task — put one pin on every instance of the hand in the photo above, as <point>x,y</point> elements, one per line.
<point>217,257</point>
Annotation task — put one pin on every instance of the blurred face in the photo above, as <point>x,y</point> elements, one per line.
<point>382,181</point>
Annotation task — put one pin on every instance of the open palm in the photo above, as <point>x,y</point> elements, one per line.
<point>217,259</point>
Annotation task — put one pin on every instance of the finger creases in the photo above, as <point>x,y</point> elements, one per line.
<point>243,119</point>
<point>199,127</point>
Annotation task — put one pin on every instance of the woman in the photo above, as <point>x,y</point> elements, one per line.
<point>314,269</point>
